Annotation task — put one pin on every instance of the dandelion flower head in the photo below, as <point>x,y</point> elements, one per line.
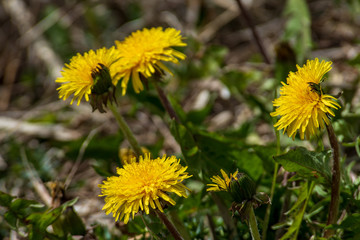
<point>142,53</point>
<point>221,184</point>
<point>302,106</point>
<point>78,76</point>
<point>144,184</point>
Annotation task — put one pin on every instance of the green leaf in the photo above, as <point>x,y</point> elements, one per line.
<point>23,212</point>
<point>210,152</point>
<point>5,199</point>
<point>350,226</point>
<point>352,222</point>
<point>308,164</point>
<point>43,220</point>
<point>72,223</point>
<point>266,153</point>
<point>69,203</point>
<point>68,221</point>
<point>40,221</point>
<point>19,204</point>
<point>247,161</point>
<point>184,137</point>
<point>11,219</point>
<point>218,152</point>
<point>23,207</point>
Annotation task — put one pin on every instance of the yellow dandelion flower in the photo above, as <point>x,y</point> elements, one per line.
<point>142,53</point>
<point>302,105</point>
<point>79,77</point>
<point>144,184</point>
<point>221,184</point>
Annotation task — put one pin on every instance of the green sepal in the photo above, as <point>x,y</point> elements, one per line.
<point>242,189</point>
<point>102,90</point>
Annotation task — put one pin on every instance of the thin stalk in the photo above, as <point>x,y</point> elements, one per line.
<point>268,208</point>
<point>273,184</point>
<point>165,102</point>
<point>253,31</point>
<point>126,131</point>
<point>174,232</point>
<point>253,224</point>
<point>335,182</point>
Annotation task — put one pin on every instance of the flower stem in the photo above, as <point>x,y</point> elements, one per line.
<point>253,224</point>
<point>335,184</point>
<point>174,232</point>
<point>268,208</point>
<point>165,102</point>
<point>126,131</point>
<point>276,168</point>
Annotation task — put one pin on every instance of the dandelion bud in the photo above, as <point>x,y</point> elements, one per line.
<point>242,188</point>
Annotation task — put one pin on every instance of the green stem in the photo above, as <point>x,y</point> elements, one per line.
<point>268,208</point>
<point>335,182</point>
<point>273,184</point>
<point>253,224</point>
<point>174,232</point>
<point>126,131</point>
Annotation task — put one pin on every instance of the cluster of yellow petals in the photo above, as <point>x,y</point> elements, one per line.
<point>221,184</point>
<point>143,52</point>
<point>144,184</point>
<point>300,106</point>
<point>76,76</point>
<point>140,54</point>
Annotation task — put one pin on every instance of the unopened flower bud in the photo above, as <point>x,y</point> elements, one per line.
<point>243,188</point>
